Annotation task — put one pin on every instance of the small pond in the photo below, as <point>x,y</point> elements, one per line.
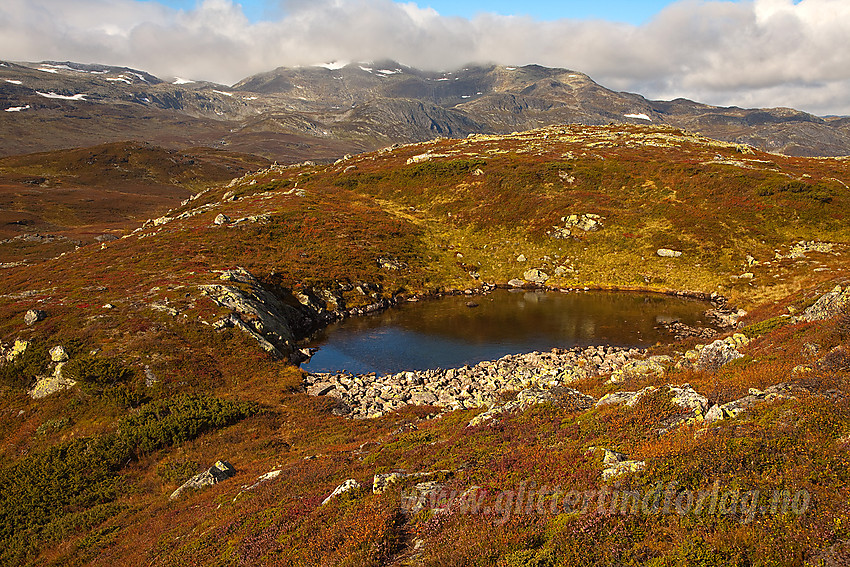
<point>446,333</point>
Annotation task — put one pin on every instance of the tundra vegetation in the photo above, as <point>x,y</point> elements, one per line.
<point>169,377</point>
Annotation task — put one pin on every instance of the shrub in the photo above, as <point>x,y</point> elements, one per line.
<point>26,366</point>
<point>83,473</point>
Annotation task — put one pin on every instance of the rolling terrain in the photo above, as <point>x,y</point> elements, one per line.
<point>322,113</point>
<point>179,338</point>
<point>55,201</point>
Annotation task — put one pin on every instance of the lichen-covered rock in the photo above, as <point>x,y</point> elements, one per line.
<point>9,354</point>
<point>255,311</point>
<point>537,276</point>
<point>636,369</point>
<point>349,484</point>
<point>48,385</point>
<point>33,316</point>
<point>589,222</point>
<point>828,305</point>
<point>220,471</point>
<point>717,354</point>
<point>533,396</point>
<point>732,409</point>
<point>686,397</point>
<point>382,482</point>
<point>627,398</point>
<point>58,354</point>
<point>615,463</point>
<point>682,395</point>
<point>221,219</point>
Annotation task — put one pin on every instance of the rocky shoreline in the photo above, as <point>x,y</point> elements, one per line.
<point>482,385</point>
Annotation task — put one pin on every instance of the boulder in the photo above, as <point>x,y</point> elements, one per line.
<point>667,253</point>
<point>533,396</point>
<point>615,463</point>
<point>349,484</point>
<point>536,275</point>
<point>221,219</point>
<point>627,398</point>
<point>48,385</point>
<point>382,482</point>
<point>828,305</point>
<point>686,397</point>
<point>58,354</point>
<point>220,471</point>
<point>636,369</point>
<point>10,354</point>
<point>516,282</point>
<point>718,412</point>
<point>717,354</point>
<point>33,316</point>
<point>623,467</point>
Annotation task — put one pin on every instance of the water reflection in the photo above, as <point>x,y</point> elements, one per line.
<point>446,333</point>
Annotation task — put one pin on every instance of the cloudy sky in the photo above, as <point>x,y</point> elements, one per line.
<point>743,52</point>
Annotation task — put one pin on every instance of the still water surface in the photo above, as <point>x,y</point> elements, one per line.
<point>445,333</point>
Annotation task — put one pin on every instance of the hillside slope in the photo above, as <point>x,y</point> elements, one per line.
<point>179,337</point>
<point>293,114</point>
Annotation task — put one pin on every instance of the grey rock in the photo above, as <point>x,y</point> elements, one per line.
<point>220,471</point>
<point>667,253</point>
<point>717,354</point>
<point>636,369</point>
<point>536,275</point>
<point>516,282</point>
<point>33,316</point>
<point>732,409</point>
<point>828,305</point>
<point>221,219</point>
<point>346,486</point>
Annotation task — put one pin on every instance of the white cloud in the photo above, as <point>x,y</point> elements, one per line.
<point>746,53</point>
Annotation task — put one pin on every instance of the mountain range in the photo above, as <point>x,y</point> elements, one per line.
<point>323,112</point>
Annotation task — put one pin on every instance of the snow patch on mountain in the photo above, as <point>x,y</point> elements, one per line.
<point>333,65</point>
<point>17,108</point>
<point>13,81</point>
<point>52,94</point>
<point>640,116</point>
<point>181,81</point>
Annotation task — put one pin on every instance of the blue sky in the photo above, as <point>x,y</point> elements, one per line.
<point>631,11</point>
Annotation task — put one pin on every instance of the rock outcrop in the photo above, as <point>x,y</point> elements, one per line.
<point>349,484</point>
<point>33,316</point>
<point>615,463</point>
<point>732,409</point>
<point>718,353</point>
<point>533,396</point>
<point>220,471</point>
<point>828,305</point>
<point>636,369</point>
